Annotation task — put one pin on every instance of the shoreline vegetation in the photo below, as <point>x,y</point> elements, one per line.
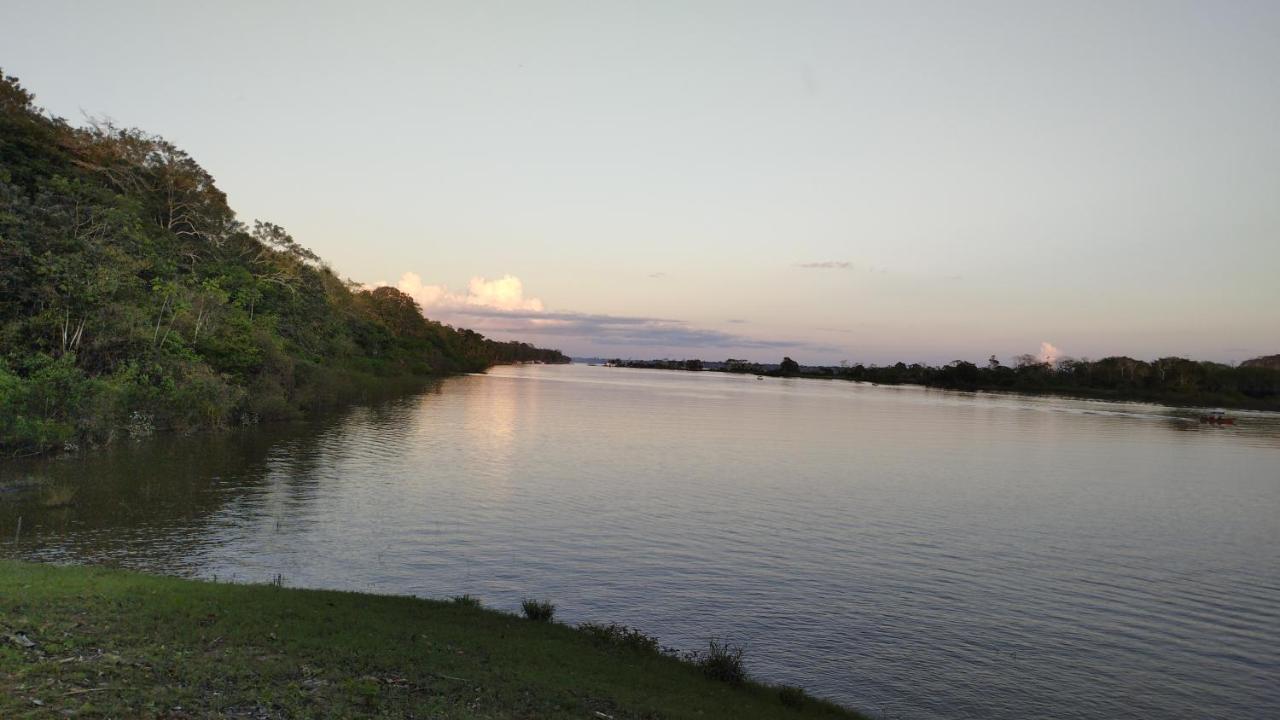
<point>133,300</point>
<point>94,641</point>
<point>1252,385</point>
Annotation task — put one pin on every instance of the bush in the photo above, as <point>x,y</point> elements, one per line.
<point>538,610</point>
<point>721,661</point>
<point>621,636</point>
<point>203,399</point>
<point>268,400</point>
<point>37,411</point>
<point>792,697</point>
<point>466,601</point>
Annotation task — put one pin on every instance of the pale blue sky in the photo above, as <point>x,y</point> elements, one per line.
<point>979,177</point>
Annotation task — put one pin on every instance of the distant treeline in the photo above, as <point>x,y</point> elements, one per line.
<point>1252,384</point>
<point>132,299</point>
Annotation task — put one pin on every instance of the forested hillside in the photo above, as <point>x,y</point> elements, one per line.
<point>133,299</point>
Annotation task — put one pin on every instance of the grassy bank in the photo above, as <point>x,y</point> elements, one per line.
<point>93,642</point>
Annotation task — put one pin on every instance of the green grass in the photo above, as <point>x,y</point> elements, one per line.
<point>110,643</point>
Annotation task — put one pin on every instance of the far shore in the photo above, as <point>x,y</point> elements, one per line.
<point>1033,379</point>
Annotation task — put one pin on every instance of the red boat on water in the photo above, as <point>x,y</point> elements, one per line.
<point>1217,417</point>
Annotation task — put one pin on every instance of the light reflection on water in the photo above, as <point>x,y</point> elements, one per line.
<point>915,553</point>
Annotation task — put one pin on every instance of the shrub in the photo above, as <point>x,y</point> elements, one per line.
<point>37,411</point>
<point>267,399</point>
<point>792,697</point>
<point>466,601</point>
<point>721,661</point>
<point>621,636</point>
<point>203,399</point>
<point>538,610</point>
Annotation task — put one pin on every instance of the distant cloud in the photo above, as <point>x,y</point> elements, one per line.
<point>616,330</point>
<point>826,265</point>
<point>500,309</point>
<point>1049,353</point>
<point>657,275</point>
<point>736,321</point>
<point>504,293</point>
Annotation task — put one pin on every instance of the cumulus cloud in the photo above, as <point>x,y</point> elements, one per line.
<point>1049,353</point>
<point>504,293</point>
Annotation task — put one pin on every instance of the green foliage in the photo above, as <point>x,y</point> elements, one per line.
<point>1172,380</point>
<point>720,661</point>
<point>131,297</point>
<point>538,610</point>
<point>38,404</point>
<point>622,636</point>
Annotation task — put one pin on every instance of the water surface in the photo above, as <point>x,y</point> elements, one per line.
<point>913,553</point>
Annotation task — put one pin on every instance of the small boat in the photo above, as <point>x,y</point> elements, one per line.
<point>1217,417</point>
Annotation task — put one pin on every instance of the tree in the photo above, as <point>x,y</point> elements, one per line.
<point>788,367</point>
<point>128,289</point>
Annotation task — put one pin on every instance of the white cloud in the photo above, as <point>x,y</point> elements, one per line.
<point>1049,353</point>
<point>504,293</point>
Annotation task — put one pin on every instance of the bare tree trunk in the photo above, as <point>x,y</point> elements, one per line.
<point>159,319</point>
<point>172,317</point>
<point>75,339</point>
<point>199,322</point>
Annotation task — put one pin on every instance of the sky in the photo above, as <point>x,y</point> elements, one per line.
<point>861,181</point>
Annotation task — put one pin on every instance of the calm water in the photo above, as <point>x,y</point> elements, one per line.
<point>914,553</point>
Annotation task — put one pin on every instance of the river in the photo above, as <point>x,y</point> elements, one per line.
<point>913,553</point>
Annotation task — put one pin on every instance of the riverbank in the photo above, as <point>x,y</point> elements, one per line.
<point>1035,380</point>
<point>96,642</point>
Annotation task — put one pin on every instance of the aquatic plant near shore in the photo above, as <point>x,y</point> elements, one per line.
<point>721,661</point>
<point>623,636</point>
<point>538,610</point>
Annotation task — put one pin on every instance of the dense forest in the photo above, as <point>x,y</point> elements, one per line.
<point>132,299</point>
<point>1173,380</point>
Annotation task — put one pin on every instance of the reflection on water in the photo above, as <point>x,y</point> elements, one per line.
<point>916,553</point>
